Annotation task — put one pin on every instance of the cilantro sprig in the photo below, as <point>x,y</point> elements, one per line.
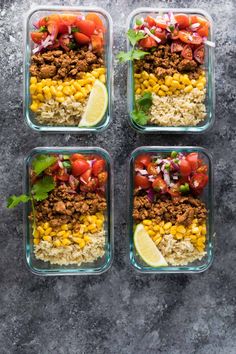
<point>42,162</point>
<point>134,54</point>
<point>14,200</point>
<point>142,106</point>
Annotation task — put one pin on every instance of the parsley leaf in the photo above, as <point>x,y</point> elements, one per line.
<point>41,162</point>
<point>134,36</point>
<point>145,101</point>
<point>43,29</point>
<point>139,117</point>
<point>14,200</point>
<point>133,54</point>
<point>41,188</point>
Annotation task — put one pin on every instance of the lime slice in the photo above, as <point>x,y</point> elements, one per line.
<point>147,249</point>
<point>96,106</point>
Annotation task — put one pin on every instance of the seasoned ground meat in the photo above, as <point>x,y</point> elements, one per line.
<point>57,64</point>
<point>162,62</point>
<point>181,210</point>
<point>65,206</point>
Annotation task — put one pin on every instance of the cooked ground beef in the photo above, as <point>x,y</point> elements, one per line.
<point>65,206</point>
<point>57,64</point>
<point>162,62</point>
<point>181,210</point>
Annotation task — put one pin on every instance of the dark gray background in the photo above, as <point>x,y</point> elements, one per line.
<point>119,312</point>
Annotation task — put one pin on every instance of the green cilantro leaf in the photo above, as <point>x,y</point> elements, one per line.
<point>134,36</point>
<point>139,117</point>
<point>41,188</point>
<point>66,164</point>
<point>72,45</point>
<point>133,54</point>
<point>43,29</point>
<point>41,162</point>
<point>145,101</point>
<point>138,54</point>
<point>74,29</point>
<point>14,200</point>
<point>138,22</point>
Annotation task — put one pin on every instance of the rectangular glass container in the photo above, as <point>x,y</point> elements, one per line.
<point>206,197</point>
<point>34,15</point>
<point>209,70</point>
<point>40,267</point>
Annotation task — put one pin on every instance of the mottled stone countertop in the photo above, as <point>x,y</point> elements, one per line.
<point>121,311</point>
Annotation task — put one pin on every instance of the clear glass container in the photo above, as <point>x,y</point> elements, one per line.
<point>208,66</point>
<point>206,197</point>
<point>33,16</point>
<point>40,267</point>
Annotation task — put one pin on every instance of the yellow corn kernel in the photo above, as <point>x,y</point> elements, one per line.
<point>67,91</point>
<point>156,236</point>
<point>145,75</point>
<point>156,227</point>
<point>193,237</point>
<point>102,78</point>
<point>34,107</point>
<point>204,229</point>
<point>40,97</point>
<point>152,82</point>
<point>61,233</point>
<point>145,83</point>
<point>152,77</point>
<point>137,76</point>
<point>33,80</point>
<point>162,231</point>
<point>193,82</point>
<point>41,230</point>
<point>77,239</point>
<point>147,222</point>
<point>199,242</point>
<point>92,227</point>
<point>179,236</point>
<point>146,228</point>
<point>53,90</point>
<point>138,91</point>
<point>158,240</point>
<point>99,223</point>
<point>173,230</point>
<point>195,230</point>
<point>48,231</point>
<point>39,87</point>
<point>77,86</point>
<point>175,84</point>
<point>60,99</point>
<point>176,76</point>
<point>151,233</point>
<point>87,239</point>
<point>200,86</point>
<point>168,80</point>
<point>47,238</point>
<point>167,225</point>
<point>48,96</point>
<point>164,88</point>
<point>203,80</point>
<point>101,70</point>
<point>185,80</point>
<point>202,239</point>
<point>95,74</point>
<point>36,233</point>
<point>78,96</point>
<point>188,88</point>
<point>33,88</point>
<point>155,88</point>
<point>64,227</point>
<point>36,241</point>
<point>161,93</point>
<point>53,234</point>
<point>181,229</point>
<point>57,243</point>
<point>46,89</point>
<point>82,244</point>
<point>162,223</point>
<point>77,234</point>
<point>89,219</point>
<point>65,242</point>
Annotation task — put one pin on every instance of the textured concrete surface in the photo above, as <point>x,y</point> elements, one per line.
<point>119,312</point>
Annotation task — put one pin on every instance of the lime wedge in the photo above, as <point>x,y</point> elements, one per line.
<point>96,106</point>
<point>147,249</point>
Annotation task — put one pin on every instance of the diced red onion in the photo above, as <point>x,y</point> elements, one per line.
<point>69,29</point>
<point>167,178</point>
<point>175,177</point>
<point>90,46</point>
<point>150,194</point>
<point>146,30</point>
<point>174,165</point>
<point>172,18</point>
<point>151,178</point>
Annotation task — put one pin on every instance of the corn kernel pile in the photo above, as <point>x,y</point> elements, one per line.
<point>44,90</point>
<point>68,234</point>
<point>196,233</point>
<point>171,85</point>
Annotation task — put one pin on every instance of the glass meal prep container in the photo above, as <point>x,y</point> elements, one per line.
<point>138,82</point>
<point>52,237</point>
<point>57,87</point>
<point>166,230</point>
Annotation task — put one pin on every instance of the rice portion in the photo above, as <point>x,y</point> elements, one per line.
<point>68,112</point>
<point>182,110</point>
<point>179,252</point>
<point>72,254</point>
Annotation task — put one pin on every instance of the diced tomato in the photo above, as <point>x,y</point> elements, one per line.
<point>81,38</point>
<point>98,166</point>
<point>142,161</point>
<point>193,159</point>
<point>199,54</point>
<point>79,167</point>
<point>97,43</point>
<point>182,20</point>
<point>73,182</point>
<point>176,47</point>
<point>147,42</point>
<point>91,186</point>
<point>64,41</point>
<point>190,38</point>
<point>53,28</point>
<point>161,35</point>
<point>102,178</point>
<point>38,37</point>
<point>86,27</point>
<point>63,176</point>
<point>174,190</point>
<point>203,31</point>
<point>74,157</point>
<point>152,169</point>
<point>55,45</point>
<point>161,24</point>
<point>187,52</point>
<point>142,181</point>
<point>159,185</point>
<point>42,22</point>
<point>63,28</point>
<point>97,20</point>
<point>202,169</point>
<point>198,181</point>
<point>86,176</point>
<point>197,19</point>
<point>175,34</point>
<point>185,167</point>
<point>69,19</point>
<point>150,21</point>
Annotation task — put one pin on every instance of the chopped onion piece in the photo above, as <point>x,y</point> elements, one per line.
<point>167,178</point>
<point>60,164</point>
<point>195,26</point>
<point>141,171</point>
<point>146,30</point>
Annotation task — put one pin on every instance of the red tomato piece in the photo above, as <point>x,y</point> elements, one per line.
<point>152,169</point>
<point>98,166</point>
<point>86,27</point>
<point>199,54</point>
<point>53,28</point>
<point>190,38</point>
<point>102,178</point>
<point>81,38</point>
<point>74,157</point>
<point>187,52</point>
<point>86,176</point>
<point>174,190</point>
<point>42,22</point>
<point>203,31</point>
<point>79,167</point>
<point>147,42</point>
<point>185,167</point>
<point>142,181</point>
<point>198,181</point>
<point>182,20</point>
<point>69,19</point>
<point>38,37</point>
<point>97,21</point>
<point>64,41</point>
<point>161,24</point>
<point>91,186</point>
<point>202,169</point>
<point>193,159</point>
<point>97,43</point>
<point>161,35</point>
<point>150,21</point>
<point>63,176</point>
<point>176,47</point>
<point>142,161</point>
<point>159,185</point>
<point>175,34</point>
